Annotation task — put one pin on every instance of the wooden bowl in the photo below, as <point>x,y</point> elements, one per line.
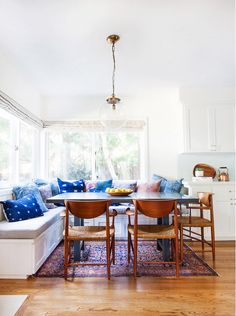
<point>119,193</point>
<point>208,171</point>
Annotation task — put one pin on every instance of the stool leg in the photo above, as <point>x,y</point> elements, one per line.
<point>202,238</point>
<point>213,242</point>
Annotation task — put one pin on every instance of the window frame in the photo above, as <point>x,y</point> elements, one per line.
<point>15,125</point>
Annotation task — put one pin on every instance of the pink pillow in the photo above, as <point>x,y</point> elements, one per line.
<point>149,186</point>
<point>46,192</point>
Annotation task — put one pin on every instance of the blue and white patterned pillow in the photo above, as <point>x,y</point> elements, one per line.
<point>173,186</point>
<point>31,188</point>
<point>22,209</point>
<point>169,186</point>
<point>66,186</point>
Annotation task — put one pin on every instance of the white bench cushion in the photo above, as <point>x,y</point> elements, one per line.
<point>30,228</point>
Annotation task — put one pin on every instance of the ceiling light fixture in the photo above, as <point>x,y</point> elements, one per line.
<point>112,116</point>
<point>113,100</point>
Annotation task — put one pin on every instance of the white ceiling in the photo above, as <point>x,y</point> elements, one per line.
<point>60,45</point>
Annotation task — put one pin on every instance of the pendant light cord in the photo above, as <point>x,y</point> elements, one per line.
<point>114,69</point>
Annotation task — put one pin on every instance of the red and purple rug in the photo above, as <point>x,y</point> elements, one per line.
<point>96,252</point>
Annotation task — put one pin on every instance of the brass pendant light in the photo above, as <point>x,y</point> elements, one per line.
<point>113,99</point>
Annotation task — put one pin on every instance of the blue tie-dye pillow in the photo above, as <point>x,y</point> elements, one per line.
<point>101,186</point>
<point>22,190</point>
<point>22,209</point>
<point>66,186</point>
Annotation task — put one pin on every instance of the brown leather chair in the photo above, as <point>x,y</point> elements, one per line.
<point>155,209</point>
<point>188,223</point>
<point>88,210</point>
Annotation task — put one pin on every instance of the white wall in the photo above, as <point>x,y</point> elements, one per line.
<point>17,86</point>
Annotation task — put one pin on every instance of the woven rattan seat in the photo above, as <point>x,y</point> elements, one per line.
<point>88,232</point>
<point>153,231</point>
<point>194,221</point>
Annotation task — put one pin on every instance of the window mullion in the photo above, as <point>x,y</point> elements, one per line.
<point>93,160</point>
<point>14,157</point>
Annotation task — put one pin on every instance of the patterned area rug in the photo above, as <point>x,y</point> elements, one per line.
<point>96,252</point>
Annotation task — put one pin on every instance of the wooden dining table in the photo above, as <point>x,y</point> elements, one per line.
<point>93,196</point>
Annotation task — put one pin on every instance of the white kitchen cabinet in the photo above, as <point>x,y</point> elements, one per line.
<point>209,128</point>
<point>224,204</point>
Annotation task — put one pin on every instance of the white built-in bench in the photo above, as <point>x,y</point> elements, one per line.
<point>25,245</point>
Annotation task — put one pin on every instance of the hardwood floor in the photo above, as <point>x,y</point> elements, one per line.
<point>207,296</point>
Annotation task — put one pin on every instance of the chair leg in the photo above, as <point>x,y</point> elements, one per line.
<point>66,253</point>
<point>108,259</point>
<point>213,243</point>
<point>113,250</point>
<point>135,256</point>
<point>69,250</point>
<point>181,243</point>
<point>129,241</point>
<point>177,255</point>
<point>202,238</point>
<point>172,249</point>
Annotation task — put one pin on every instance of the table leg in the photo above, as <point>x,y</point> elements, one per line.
<point>164,244</point>
<point>78,245</point>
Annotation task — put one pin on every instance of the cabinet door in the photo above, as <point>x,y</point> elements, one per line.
<point>209,128</point>
<point>224,213</point>
<point>196,129</point>
<point>224,129</point>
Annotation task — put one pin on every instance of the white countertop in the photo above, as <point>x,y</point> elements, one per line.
<point>190,182</point>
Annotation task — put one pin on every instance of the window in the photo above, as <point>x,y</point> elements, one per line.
<point>5,132</point>
<point>26,145</point>
<point>117,155</point>
<point>90,155</point>
<point>69,155</point>
<point>17,149</point>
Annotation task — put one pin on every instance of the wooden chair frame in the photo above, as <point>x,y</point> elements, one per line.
<point>185,227</point>
<point>89,210</point>
<point>155,209</point>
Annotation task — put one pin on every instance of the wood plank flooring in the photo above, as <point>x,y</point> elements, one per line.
<point>205,296</point>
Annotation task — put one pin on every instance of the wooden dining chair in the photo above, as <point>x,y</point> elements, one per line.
<point>188,223</point>
<point>155,209</point>
<point>89,210</point>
